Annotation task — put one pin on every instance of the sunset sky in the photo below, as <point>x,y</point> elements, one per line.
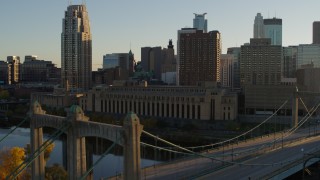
<point>33,27</point>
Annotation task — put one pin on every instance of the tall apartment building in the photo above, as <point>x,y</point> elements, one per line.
<point>198,57</point>
<point>76,49</point>
<point>200,23</point>
<point>14,69</point>
<point>260,63</point>
<point>4,70</point>
<point>290,55</point>
<point>226,70</point>
<point>235,52</point>
<point>308,54</point>
<point>258,27</point>
<point>316,32</point>
<point>273,30</point>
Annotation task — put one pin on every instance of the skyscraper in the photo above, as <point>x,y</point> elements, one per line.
<point>258,27</point>
<point>76,49</point>
<point>316,32</point>
<point>200,23</point>
<point>14,69</point>
<point>273,30</point>
<point>198,56</point>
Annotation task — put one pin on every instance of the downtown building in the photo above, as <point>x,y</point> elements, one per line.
<point>14,69</point>
<point>4,72</point>
<point>316,32</point>
<point>198,56</point>
<point>202,102</point>
<point>200,23</point>
<point>264,87</point>
<point>35,70</point>
<point>76,49</point>
<point>273,30</point>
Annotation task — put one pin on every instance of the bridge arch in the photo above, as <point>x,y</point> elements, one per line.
<point>77,126</point>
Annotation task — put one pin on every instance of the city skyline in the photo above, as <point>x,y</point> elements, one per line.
<point>30,28</point>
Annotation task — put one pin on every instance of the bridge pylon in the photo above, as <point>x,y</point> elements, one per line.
<point>295,106</point>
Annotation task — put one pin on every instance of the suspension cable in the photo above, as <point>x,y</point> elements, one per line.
<point>12,130</point>
<point>102,156</point>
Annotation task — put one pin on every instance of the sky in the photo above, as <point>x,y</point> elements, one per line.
<point>33,27</point>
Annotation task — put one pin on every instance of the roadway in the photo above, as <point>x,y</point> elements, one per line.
<point>250,151</point>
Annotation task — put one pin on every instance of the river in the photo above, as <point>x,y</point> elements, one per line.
<point>108,166</point>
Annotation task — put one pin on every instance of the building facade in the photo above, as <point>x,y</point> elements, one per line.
<point>4,71</point>
<point>76,49</point>
<point>198,56</point>
<point>203,102</point>
<point>200,23</point>
<point>258,27</point>
<point>307,54</point>
<point>273,30</point>
<point>14,69</point>
<point>289,65</point>
<point>34,70</point>
<point>235,52</point>
<point>168,67</point>
<point>316,32</point>
<point>151,60</point>
<point>260,63</point>
<point>226,70</point>
<point>116,60</point>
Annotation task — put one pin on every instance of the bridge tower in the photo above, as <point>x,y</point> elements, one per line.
<point>132,132</point>
<point>295,106</point>
<point>76,146</point>
<point>36,133</point>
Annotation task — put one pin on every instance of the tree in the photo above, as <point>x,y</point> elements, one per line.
<point>4,94</point>
<point>10,159</point>
<point>56,172</point>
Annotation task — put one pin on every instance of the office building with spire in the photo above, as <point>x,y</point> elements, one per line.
<point>200,23</point>
<point>258,27</point>
<point>76,49</point>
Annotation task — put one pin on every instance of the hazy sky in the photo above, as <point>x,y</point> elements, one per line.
<point>34,26</point>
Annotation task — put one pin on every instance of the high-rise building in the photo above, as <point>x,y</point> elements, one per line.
<point>308,54</point>
<point>273,30</point>
<point>168,70</point>
<point>226,70</point>
<point>76,49</point>
<point>151,60</point>
<point>116,60</point>
<point>198,56</point>
<point>260,63</point>
<point>132,63</point>
<point>235,51</point>
<point>200,23</point>
<point>258,27</point>
<point>316,32</point>
<point>14,69</point>
<point>289,61</point>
